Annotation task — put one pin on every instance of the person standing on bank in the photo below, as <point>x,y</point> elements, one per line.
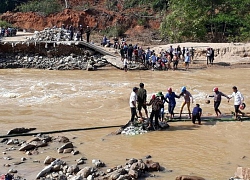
<point>125,64</point>
<point>196,114</point>
<point>142,98</point>
<point>217,100</point>
<point>187,97</point>
<point>81,32</point>
<point>238,100</point>
<point>88,30</point>
<point>132,103</point>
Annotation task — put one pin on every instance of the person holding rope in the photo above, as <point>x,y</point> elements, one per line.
<point>156,103</point>
<point>162,110</point>
<point>238,101</point>
<point>141,99</point>
<point>170,99</point>
<point>217,100</point>
<point>187,97</point>
<point>132,104</point>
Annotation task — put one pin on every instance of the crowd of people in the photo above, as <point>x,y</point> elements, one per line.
<point>77,32</point>
<point>8,32</point>
<point>138,101</point>
<point>163,60</point>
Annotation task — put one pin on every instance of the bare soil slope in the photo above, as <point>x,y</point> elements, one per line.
<point>95,14</point>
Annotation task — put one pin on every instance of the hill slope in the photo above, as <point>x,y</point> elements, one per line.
<point>96,14</point>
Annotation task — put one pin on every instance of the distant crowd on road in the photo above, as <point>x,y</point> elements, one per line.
<point>76,33</point>
<point>163,60</point>
<point>7,32</point>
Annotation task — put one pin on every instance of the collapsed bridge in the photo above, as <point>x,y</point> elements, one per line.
<point>56,49</point>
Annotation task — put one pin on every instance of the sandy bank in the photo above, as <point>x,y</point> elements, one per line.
<point>226,54</point>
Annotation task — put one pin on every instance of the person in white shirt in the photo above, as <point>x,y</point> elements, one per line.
<point>125,64</point>
<point>238,100</point>
<point>132,103</point>
<point>187,61</point>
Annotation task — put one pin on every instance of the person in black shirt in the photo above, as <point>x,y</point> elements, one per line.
<point>142,98</point>
<point>88,33</point>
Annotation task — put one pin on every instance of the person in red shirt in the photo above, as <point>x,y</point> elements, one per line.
<point>217,100</point>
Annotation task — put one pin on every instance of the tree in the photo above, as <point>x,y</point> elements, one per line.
<point>185,20</point>
<point>214,19</point>
<point>9,5</point>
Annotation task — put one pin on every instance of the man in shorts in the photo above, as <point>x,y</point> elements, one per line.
<point>187,97</point>
<point>141,99</point>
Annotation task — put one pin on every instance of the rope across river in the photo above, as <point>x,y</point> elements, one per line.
<point>59,131</point>
<point>246,118</point>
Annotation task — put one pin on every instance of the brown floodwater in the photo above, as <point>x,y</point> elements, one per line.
<point>57,100</point>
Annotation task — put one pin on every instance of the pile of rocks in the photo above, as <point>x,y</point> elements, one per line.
<point>242,173</point>
<point>54,34</point>
<point>59,169</point>
<point>54,63</point>
<point>133,130</point>
<point>133,169</point>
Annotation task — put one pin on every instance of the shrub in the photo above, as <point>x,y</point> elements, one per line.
<point>117,31</point>
<point>111,5</point>
<point>5,24</point>
<point>44,7</point>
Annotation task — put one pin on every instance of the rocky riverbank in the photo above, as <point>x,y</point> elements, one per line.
<point>56,168</point>
<point>71,62</point>
<point>60,169</point>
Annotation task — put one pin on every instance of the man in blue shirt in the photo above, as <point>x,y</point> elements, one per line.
<point>170,96</point>
<point>196,114</point>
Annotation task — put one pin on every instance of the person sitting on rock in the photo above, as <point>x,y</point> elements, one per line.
<point>104,41</point>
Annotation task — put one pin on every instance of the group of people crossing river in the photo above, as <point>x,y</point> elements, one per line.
<point>138,101</point>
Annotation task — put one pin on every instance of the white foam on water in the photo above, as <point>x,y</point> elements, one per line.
<point>32,91</point>
<point>198,95</point>
<point>10,95</point>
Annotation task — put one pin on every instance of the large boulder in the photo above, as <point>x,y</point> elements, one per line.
<point>242,173</point>
<point>20,130</point>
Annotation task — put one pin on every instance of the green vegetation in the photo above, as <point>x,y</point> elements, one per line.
<point>85,5</point>
<point>156,5</point>
<point>111,5</point>
<point>5,24</point>
<point>113,31</point>
<point>9,5</point>
<point>44,7</point>
<point>215,20</point>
